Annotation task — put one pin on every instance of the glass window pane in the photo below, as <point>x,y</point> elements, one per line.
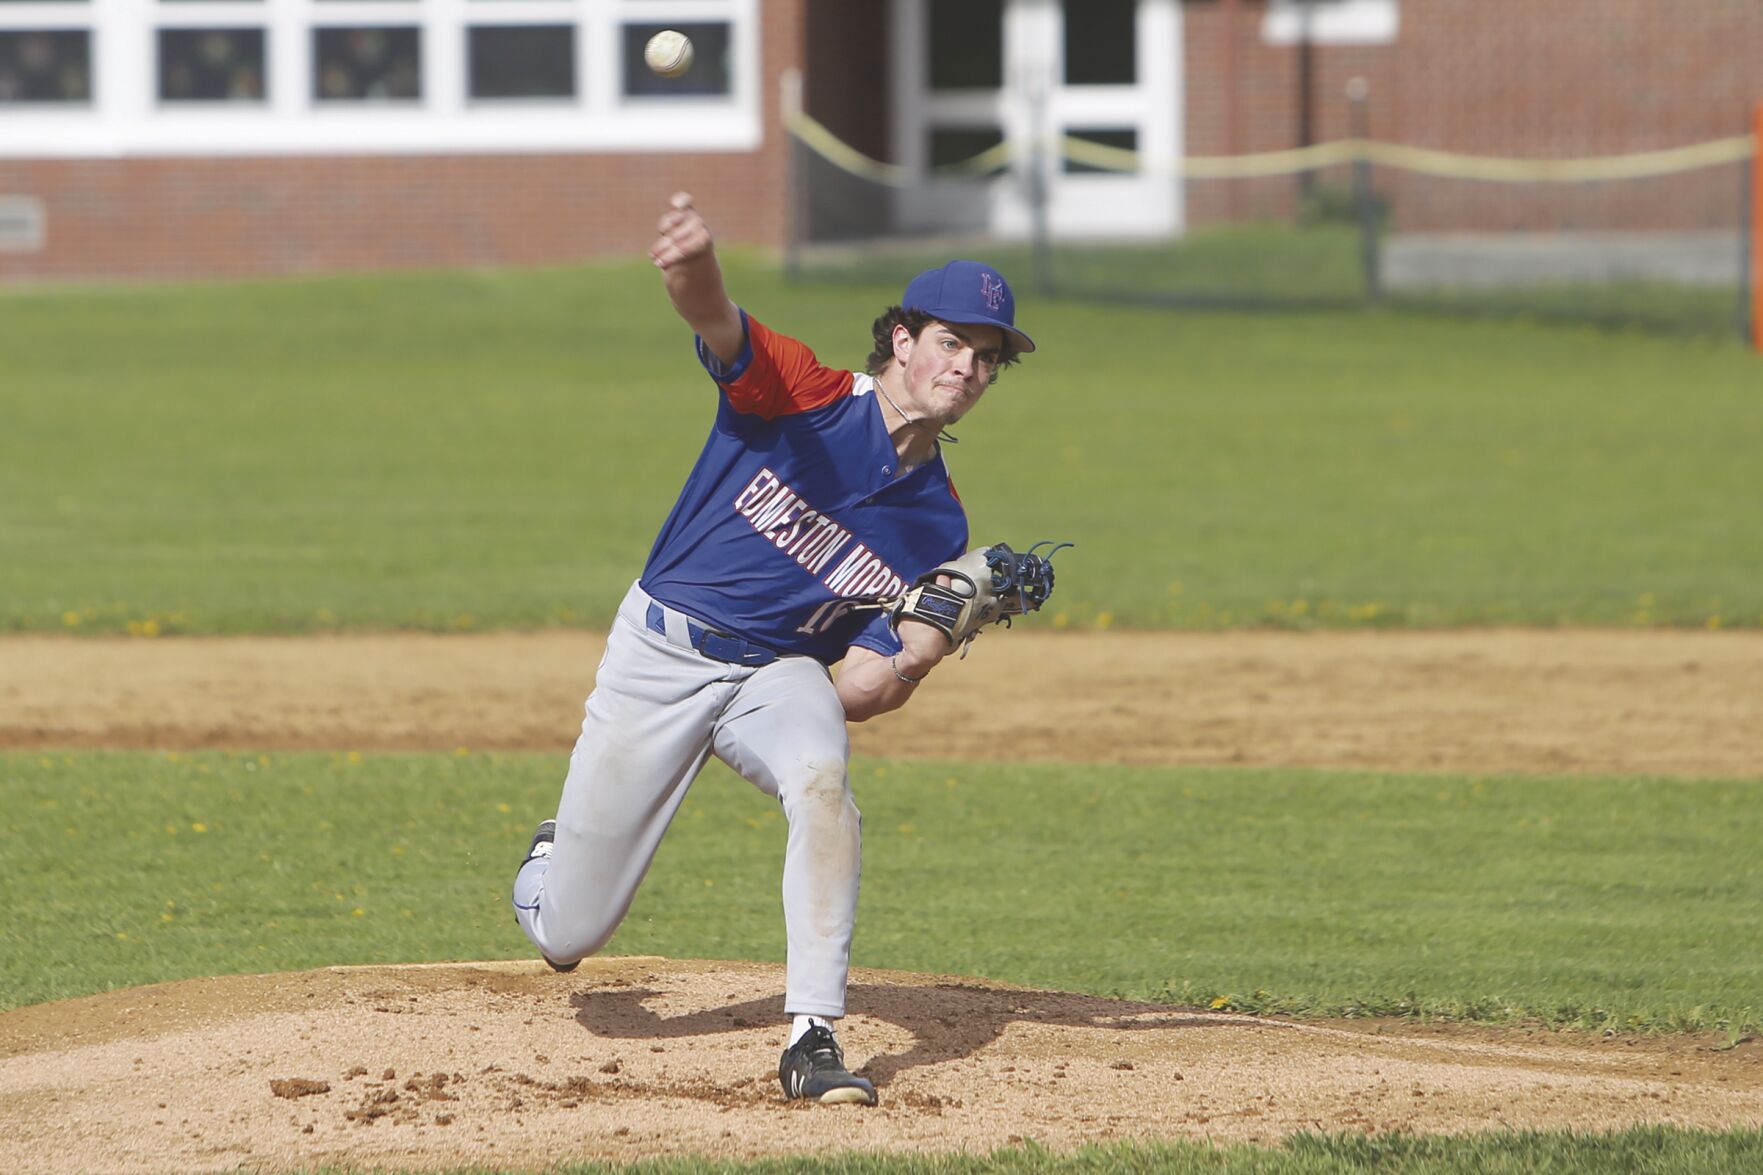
<point>1126,140</point>
<point>1099,43</point>
<point>366,64</point>
<point>211,65</point>
<point>522,61</point>
<point>709,73</point>
<point>45,65</point>
<point>966,44</point>
<point>956,144</point>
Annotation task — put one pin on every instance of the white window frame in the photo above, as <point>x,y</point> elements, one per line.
<point>1332,22</point>
<point>1034,104</point>
<point>125,117</point>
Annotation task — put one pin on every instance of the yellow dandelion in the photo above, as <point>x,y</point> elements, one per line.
<point>165,917</point>
<point>1104,620</point>
<point>1061,619</point>
<point>198,827</point>
<point>461,752</point>
<point>504,809</point>
<point>354,756</point>
<point>358,912</point>
<point>1222,1001</point>
<point>71,619</point>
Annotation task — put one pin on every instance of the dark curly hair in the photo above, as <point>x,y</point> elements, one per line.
<point>915,321</point>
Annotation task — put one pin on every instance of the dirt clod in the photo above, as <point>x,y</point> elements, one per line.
<point>293,1087</point>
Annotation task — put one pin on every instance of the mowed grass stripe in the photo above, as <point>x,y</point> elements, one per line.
<point>1621,903</point>
<point>1656,1150</point>
<point>498,449</point>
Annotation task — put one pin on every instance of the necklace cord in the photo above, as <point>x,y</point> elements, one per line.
<point>943,434</point>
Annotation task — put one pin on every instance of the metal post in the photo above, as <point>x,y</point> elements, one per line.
<point>1038,186</point>
<point>1306,89</point>
<point>1747,298</point>
<point>1364,200</point>
<point>1753,216</point>
<point>1233,107</point>
<point>796,173</point>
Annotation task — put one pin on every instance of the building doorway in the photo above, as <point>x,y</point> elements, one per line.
<point>972,75</point>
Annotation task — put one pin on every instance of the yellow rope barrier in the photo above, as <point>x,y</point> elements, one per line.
<point>844,156</point>
<point>1608,167</point>
<point>1444,164</point>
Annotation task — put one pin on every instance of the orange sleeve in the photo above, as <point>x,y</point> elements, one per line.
<point>776,375</point>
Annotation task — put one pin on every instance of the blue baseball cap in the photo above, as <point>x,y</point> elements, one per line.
<point>967,291</point>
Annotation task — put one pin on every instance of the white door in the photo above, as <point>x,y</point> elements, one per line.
<point>969,75</point>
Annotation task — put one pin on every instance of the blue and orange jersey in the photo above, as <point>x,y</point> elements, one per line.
<point>793,515</point>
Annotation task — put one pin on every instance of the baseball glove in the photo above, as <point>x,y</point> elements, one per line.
<point>982,587</point>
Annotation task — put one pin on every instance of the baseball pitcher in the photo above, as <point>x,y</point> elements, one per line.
<point>819,526</point>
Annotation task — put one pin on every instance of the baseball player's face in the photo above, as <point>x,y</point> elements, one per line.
<point>948,367</point>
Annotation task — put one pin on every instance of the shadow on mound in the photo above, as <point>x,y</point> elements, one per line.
<point>948,1021</point>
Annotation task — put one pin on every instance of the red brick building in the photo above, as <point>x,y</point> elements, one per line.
<point>169,138</point>
<point>1561,79</point>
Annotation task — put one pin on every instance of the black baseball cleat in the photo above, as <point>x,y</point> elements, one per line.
<point>543,838</point>
<point>814,1067</point>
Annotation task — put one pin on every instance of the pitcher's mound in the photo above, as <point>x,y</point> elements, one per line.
<point>511,1065</point>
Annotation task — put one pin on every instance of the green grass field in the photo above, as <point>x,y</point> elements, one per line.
<point>1625,903</point>
<point>470,451</point>
<point>1616,904</point>
<point>488,450</point>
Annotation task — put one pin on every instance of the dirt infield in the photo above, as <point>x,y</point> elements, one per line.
<point>1661,703</point>
<point>506,1064</point>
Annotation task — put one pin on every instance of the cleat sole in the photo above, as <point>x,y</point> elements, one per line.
<point>849,1095</point>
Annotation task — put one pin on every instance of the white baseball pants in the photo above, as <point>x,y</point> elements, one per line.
<point>657,712</point>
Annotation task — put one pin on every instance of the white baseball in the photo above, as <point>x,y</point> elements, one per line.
<point>668,53</point>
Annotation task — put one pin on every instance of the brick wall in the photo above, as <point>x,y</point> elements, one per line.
<point>182,217</point>
<point>1518,78</point>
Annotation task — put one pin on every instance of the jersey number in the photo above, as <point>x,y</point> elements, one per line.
<point>825,616</point>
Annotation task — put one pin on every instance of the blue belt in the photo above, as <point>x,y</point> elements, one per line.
<point>718,646</point>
